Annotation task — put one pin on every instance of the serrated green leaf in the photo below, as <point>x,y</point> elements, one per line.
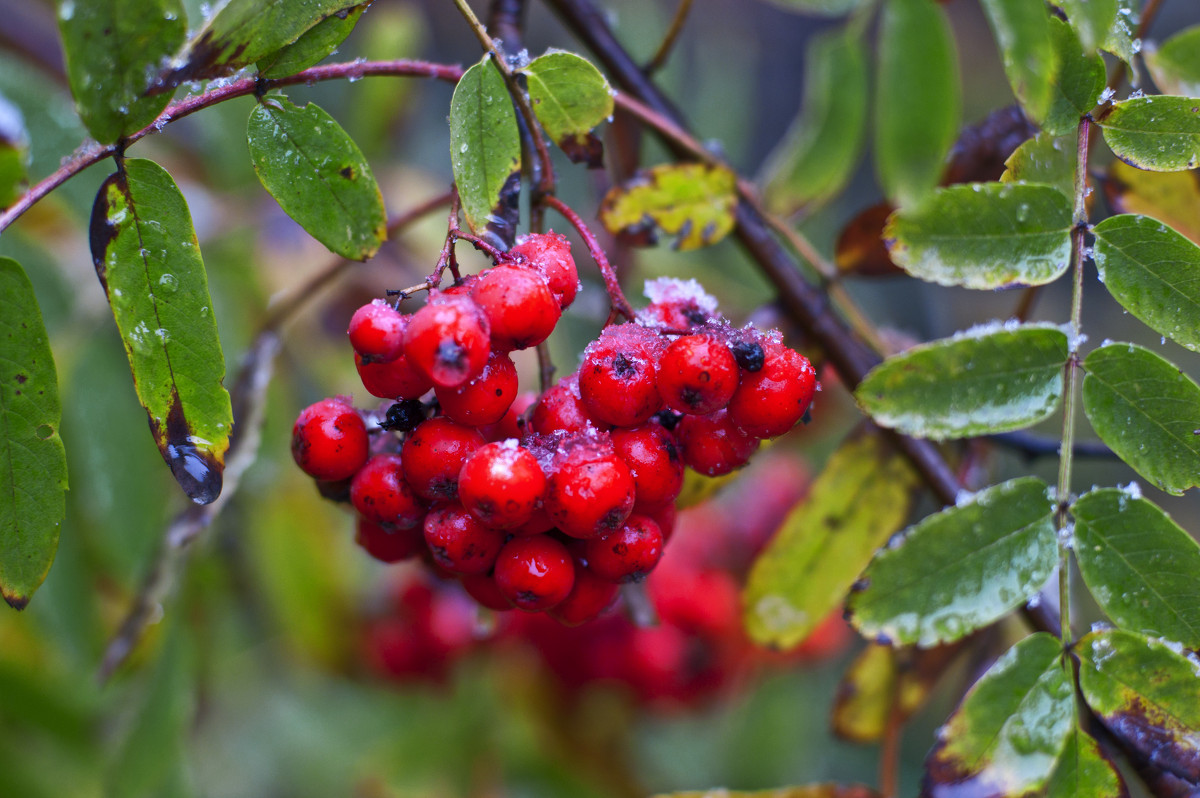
<point>819,153</point>
<point>917,102</point>
<point>1091,19</point>
<point>981,382</point>
<point>959,569</point>
<point>1175,64</point>
<point>1119,40</point>
<point>33,464</point>
<point>485,144</point>
<point>114,49</point>
<point>1170,197</point>
<point>1147,694</point>
<point>14,153</point>
<point>148,260</point>
<point>1143,570</point>
<point>244,31</point>
<point>313,45</point>
<point>692,201</point>
<point>1005,737</point>
<point>1021,28</point>
<point>825,8</point>
<point>1147,411</point>
<point>1083,771</point>
<point>1077,86</point>
<point>1154,272</point>
<point>1160,133</point>
<point>859,500</point>
<point>826,790</point>
<point>984,235</point>
<point>317,174</point>
<point>569,97</point>
<point>1044,159</point>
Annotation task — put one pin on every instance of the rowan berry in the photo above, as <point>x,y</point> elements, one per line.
<point>447,340</point>
<point>713,444</point>
<point>485,398</point>
<point>618,380</point>
<point>389,544</point>
<point>483,588</point>
<point>380,493</point>
<point>550,254</point>
<point>501,484</point>
<point>513,424</point>
<point>433,454</point>
<point>561,408</point>
<point>627,554</point>
<point>519,306</point>
<point>392,379</point>
<point>459,543</point>
<point>652,454</point>
<point>535,573</point>
<point>589,596</point>
<point>677,304</point>
<point>377,331</point>
<point>589,491</point>
<point>329,440</point>
<point>697,374</point>
<point>769,402</point>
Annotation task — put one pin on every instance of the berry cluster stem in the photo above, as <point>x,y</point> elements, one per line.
<point>620,305</point>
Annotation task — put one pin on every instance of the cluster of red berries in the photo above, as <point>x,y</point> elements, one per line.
<point>547,504</point>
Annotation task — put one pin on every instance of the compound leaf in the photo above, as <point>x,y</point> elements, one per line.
<point>1147,411</point>
<point>313,45</point>
<point>1120,38</point>
<point>1091,19</point>
<point>959,569</point>
<point>692,201</point>
<point>1012,726</point>
<point>1175,64</point>
<point>1080,79</point>
<point>859,500</point>
<point>1154,272</point>
<point>148,260</point>
<point>1083,771</point>
<point>570,97</point>
<point>1142,569</point>
<point>113,50</point>
<point>1030,58</point>
<point>485,145</point>
<point>987,380</point>
<point>317,174</point>
<point>33,464</point>
<point>984,235</point>
<point>1044,159</point>
<point>1160,133</point>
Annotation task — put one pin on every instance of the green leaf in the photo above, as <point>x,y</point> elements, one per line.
<point>1147,411</point>
<point>987,380</point>
<point>317,174</point>
<point>245,31</point>
<point>820,152</point>
<point>1154,272</point>
<point>1175,64</point>
<point>1083,771</point>
<point>113,50</point>
<point>1120,37</point>
<point>1044,159</point>
<point>917,102</point>
<point>1077,87</point>
<point>570,97</point>
<point>148,260</point>
<point>860,499</point>
<point>1005,737</point>
<point>485,145</point>
<point>827,790</point>
<point>1159,133</point>
<point>1139,565</point>
<point>33,465</point>
<point>825,8</point>
<point>959,569</point>
<point>1147,693</point>
<point>14,153</point>
<point>984,235</point>
<point>1030,58</point>
<point>1091,19</point>
<point>314,45</point>
<point>692,201</point>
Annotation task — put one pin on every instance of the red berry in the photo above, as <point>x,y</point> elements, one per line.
<point>519,306</point>
<point>561,408</point>
<point>535,573</point>
<point>392,379</point>
<point>677,304</point>
<point>697,374</point>
<point>713,445</point>
<point>484,399</point>
<point>590,596</point>
<point>380,493</point>
<point>769,402</point>
<point>618,380</point>
<point>512,425</point>
<point>447,340</point>
<point>627,554</point>
<point>329,440</point>
<point>538,524</point>
<point>377,331</point>
<point>433,455</point>
<point>550,254</point>
<point>459,543</point>
<point>483,588</point>
<point>501,484</point>
<point>389,544</point>
<point>590,491</point>
<point>652,454</point>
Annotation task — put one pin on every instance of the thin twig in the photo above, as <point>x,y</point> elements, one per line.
<point>615,295</point>
<point>664,50</point>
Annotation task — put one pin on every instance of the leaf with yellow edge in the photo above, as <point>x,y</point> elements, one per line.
<point>826,790</point>
<point>693,202</point>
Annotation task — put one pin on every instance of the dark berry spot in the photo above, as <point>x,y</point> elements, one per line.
<point>691,397</point>
<point>623,367</point>
<point>404,416</point>
<point>749,355</point>
<point>612,519</point>
<point>451,354</point>
<point>621,549</point>
<point>669,419</point>
<point>694,314</point>
<point>21,378</point>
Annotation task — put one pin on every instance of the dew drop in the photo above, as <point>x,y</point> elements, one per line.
<point>169,283</point>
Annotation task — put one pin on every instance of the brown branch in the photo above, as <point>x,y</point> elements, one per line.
<point>664,50</point>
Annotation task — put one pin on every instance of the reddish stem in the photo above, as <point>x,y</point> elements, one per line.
<point>620,304</point>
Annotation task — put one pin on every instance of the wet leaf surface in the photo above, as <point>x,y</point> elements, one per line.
<point>1077,86</point>
<point>1083,771</point>
<point>1175,64</point>
<point>1044,159</point>
<point>691,201</point>
<point>980,382</point>
<point>1160,133</point>
<point>1092,19</point>
<point>1147,411</point>
<point>146,256</point>
<point>33,464</point>
<point>1030,57</point>
<point>570,97</point>
<point>314,45</point>
<point>959,569</point>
